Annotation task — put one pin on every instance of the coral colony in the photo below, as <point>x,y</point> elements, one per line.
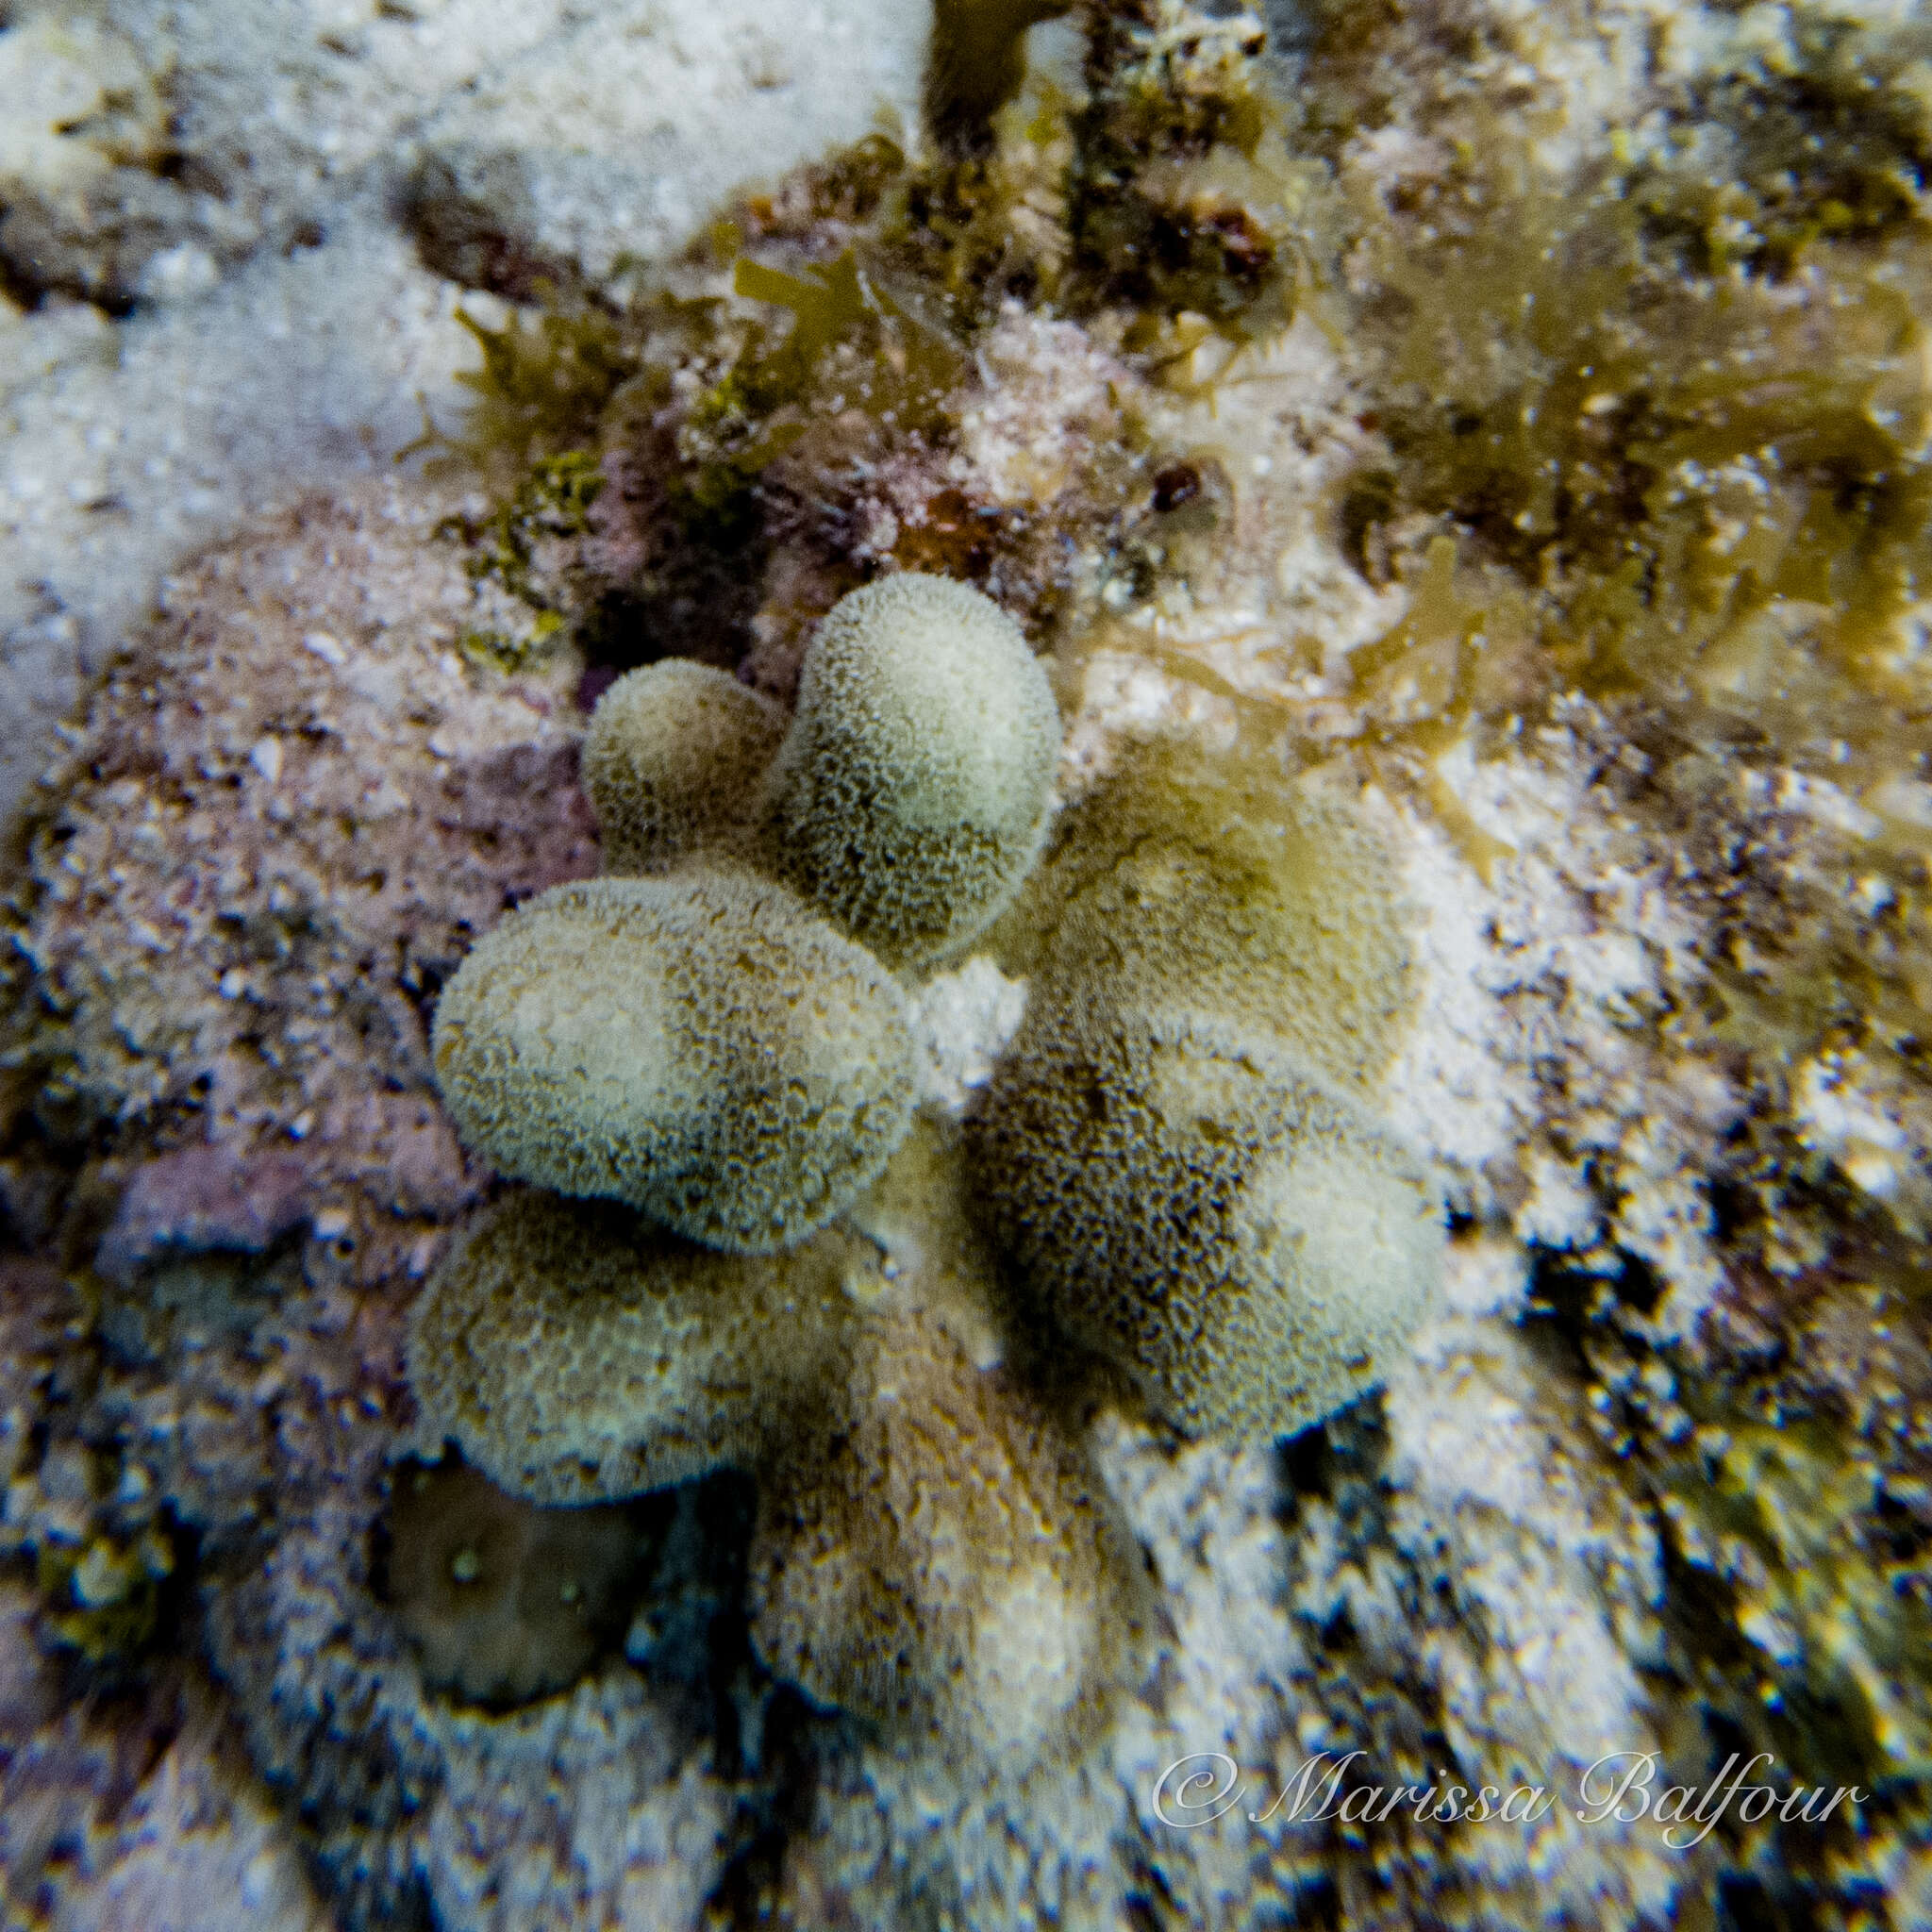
<point>1186,1196</point>
<point>1107,951</point>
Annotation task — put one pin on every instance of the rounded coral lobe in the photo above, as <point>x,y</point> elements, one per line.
<point>577,1355</point>
<point>700,1047</point>
<point>1205,881</point>
<point>910,796</point>
<point>936,1557</point>
<point>1190,1201</point>
<point>673,761</point>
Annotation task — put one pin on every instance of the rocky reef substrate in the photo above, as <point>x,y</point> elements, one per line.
<point>1513,434</point>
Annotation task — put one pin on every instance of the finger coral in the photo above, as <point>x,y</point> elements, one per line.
<point>1208,880</point>
<point>577,1354</point>
<point>1190,1202</point>
<point>1523,430</point>
<point>673,761</point>
<point>702,1047</point>
<point>909,798</point>
<point>936,1557</point>
<point>505,1602</point>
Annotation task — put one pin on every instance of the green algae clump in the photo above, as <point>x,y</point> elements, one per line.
<point>910,796</point>
<point>700,1047</point>
<point>577,1355</point>
<point>673,762</point>
<point>1190,1203</point>
<point>104,1599</point>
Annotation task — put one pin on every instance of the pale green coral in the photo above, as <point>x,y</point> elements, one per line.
<point>702,1047</point>
<point>577,1354</point>
<point>673,762</point>
<point>1191,1203</point>
<point>1207,879</point>
<point>919,1508</point>
<point>909,798</point>
<point>937,1556</point>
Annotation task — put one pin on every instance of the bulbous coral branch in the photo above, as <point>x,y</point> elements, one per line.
<point>673,760</point>
<point>909,798</point>
<point>702,1047</point>
<point>937,1557</point>
<point>1208,881</point>
<point>932,1551</point>
<point>1188,1200</point>
<point>577,1355</point>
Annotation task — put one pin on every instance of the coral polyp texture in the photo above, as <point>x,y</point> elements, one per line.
<point>1281,785</point>
<point>674,761</point>
<point>1206,879</point>
<point>1188,1200</point>
<point>910,795</point>
<point>935,1554</point>
<point>576,1354</point>
<point>703,1047</point>
<point>920,1508</point>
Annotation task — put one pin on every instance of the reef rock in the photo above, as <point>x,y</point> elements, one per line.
<point>1510,445</point>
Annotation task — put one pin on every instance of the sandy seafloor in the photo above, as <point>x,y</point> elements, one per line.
<point>1680,1529</point>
